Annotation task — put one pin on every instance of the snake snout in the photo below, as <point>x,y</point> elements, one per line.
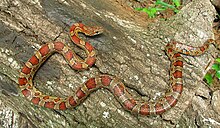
<point>97,30</point>
<point>92,31</point>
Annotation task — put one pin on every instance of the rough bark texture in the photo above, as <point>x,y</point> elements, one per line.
<point>129,48</point>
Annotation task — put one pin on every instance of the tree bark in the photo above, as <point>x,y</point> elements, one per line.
<point>130,47</point>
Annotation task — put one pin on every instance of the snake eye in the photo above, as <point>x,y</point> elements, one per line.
<point>97,32</point>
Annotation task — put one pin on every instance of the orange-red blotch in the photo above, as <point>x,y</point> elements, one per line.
<point>159,108</point>
<point>202,48</point>
<point>178,63</point>
<point>81,25</point>
<point>129,104</point>
<point>176,55</point>
<point>30,86</point>
<point>75,39</point>
<point>26,70</point>
<point>119,90</point>
<point>49,104</point>
<point>177,74</point>
<point>37,93</point>
<point>72,101</point>
<point>69,55</point>
<point>62,106</point>
<point>58,46</point>
<point>171,100</point>
<point>145,109</point>
<point>46,97</point>
<point>170,50</point>
<point>26,92</point>
<point>177,88</point>
<point>57,99</point>
<point>44,50</point>
<point>187,52</point>
<point>90,84</point>
<point>22,81</point>
<point>72,28</point>
<point>77,66</point>
<point>168,45</point>
<point>106,80</point>
<point>35,100</point>
<point>88,46</point>
<point>90,61</point>
<point>34,60</point>
<point>80,94</point>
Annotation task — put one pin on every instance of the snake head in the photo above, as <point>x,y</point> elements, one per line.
<point>92,31</point>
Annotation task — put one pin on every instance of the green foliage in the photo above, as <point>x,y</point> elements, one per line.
<point>218,60</point>
<point>150,11</point>
<point>216,68</point>
<point>208,78</point>
<point>218,74</point>
<point>176,3</point>
<point>163,4</point>
<point>160,6</point>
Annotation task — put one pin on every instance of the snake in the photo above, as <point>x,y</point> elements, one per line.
<point>173,50</point>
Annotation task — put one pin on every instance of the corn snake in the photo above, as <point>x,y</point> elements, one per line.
<point>113,84</point>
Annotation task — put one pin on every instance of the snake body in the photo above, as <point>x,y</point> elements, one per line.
<point>112,83</point>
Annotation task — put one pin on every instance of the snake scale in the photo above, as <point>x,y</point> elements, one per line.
<point>113,84</point>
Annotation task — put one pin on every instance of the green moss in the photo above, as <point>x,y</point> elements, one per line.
<point>160,6</point>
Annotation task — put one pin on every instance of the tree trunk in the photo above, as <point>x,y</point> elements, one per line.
<point>130,47</point>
